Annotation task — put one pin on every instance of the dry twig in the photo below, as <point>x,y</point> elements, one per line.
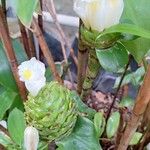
<point>46,52</point>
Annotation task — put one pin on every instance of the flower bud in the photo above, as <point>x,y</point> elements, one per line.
<point>99,14</point>
<point>31,138</point>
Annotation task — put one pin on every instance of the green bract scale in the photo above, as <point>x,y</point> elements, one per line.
<point>94,39</point>
<point>53,112</point>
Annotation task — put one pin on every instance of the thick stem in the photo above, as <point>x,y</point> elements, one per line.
<point>91,73</point>
<point>24,38</point>
<point>142,101</point>
<point>46,52</point>
<point>82,62</point>
<point>11,55</point>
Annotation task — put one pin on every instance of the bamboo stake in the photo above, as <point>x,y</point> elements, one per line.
<point>24,38</point>
<point>31,44</point>
<point>145,137</point>
<point>142,101</point>
<point>46,52</point>
<point>11,55</point>
<point>51,8</point>
<point>146,117</point>
<point>64,42</point>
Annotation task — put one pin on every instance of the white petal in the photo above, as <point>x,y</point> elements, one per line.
<point>96,14</point>
<point>31,138</point>
<point>35,66</point>
<point>3,123</point>
<point>114,9</point>
<point>35,86</point>
<point>80,7</point>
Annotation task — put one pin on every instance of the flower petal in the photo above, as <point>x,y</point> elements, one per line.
<point>96,14</point>
<point>80,7</point>
<point>35,86</point>
<point>35,67</point>
<point>114,11</point>
<point>31,138</point>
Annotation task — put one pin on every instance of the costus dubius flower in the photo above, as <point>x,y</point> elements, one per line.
<point>99,14</point>
<point>32,72</point>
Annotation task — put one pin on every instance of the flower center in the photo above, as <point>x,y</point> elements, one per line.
<point>27,74</point>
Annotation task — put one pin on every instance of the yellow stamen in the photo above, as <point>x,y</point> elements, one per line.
<point>27,74</point>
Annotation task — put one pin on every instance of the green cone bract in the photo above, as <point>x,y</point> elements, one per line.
<point>53,112</point>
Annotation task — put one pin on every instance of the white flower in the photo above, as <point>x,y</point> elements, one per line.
<point>99,14</point>
<point>31,138</point>
<point>3,123</point>
<point>32,72</point>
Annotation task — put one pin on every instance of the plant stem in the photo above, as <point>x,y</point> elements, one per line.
<point>24,38</point>
<point>82,62</point>
<point>91,73</point>
<point>142,101</point>
<point>119,86</point>
<point>10,54</point>
<point>46,52</point>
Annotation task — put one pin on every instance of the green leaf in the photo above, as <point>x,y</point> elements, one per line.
<point>126,102</point>
<point>112,124</point>
<point>127,28</point>
<point>83,108</point>
<point>6,100</point>
<point>137,12</point>
<point>99,123</point>
<point>16,126</point>
<point>6,76</point>
<point>135,78</point>
<point>114,58</point>
<point>24,10</point>
<point>138,48</point>
<point>5,140</point>
<point>135,139</point>
<point>17,103</point>
<point>83,137</point>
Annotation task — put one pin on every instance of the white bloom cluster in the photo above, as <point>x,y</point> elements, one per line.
<point>99,14</point>
<point>32,72</point>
